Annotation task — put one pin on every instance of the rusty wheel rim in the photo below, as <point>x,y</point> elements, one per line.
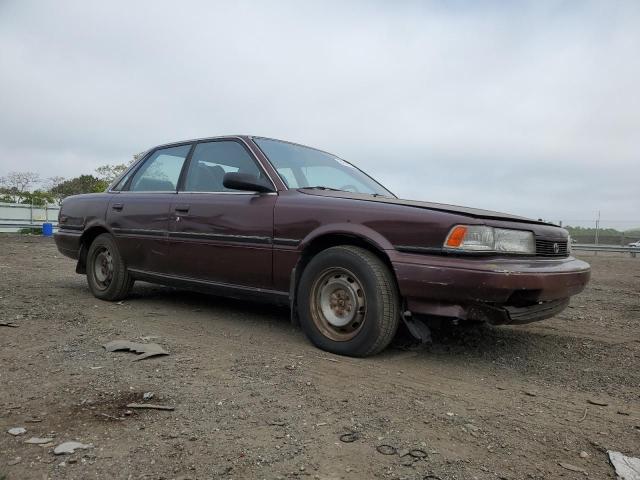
<point>103,268</point>
<point>338,304</point>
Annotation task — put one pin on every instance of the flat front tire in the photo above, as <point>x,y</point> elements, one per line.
<point>348,302</point>
<point>107,274</point>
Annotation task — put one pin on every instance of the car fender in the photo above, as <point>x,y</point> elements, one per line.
<point>361,231</point>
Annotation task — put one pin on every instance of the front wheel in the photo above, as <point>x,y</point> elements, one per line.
<point>348,302</point>
<point>107,274</point>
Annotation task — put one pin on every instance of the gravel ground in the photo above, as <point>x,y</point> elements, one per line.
<point>253,399</point>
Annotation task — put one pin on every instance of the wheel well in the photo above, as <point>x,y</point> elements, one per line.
<point>327,241</point>
<point>86,240</point>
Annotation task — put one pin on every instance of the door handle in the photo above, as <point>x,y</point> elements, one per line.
<point>117,206</point>
<point>182,208</point>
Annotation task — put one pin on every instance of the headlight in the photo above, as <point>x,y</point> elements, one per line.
<point>480,238</point>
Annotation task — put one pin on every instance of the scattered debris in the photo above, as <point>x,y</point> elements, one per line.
<point>403,453</point>
<point>149,337</point>
<point>573,468</point>
<point>418,453</point>
<point>9,324</point>
<point>70,447</point>
<point>277,423</point>
<point>387,449</point>
<point>583,416</point>
<point>16,431</point>
<point>38,440</point>
<point>530,394</point>
<point>146,350</point>
<point>349,437</point>
<point>110,416</point>
<point>584,454</point>
<point>599,403</point>
<point>150,405</point>
<point>147,395</point>
<point>627,468</point>
<point>330,359</point>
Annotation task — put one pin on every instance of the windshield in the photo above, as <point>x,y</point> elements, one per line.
<point>304,167</point>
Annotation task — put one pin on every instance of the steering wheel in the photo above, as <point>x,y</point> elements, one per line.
<point>350,188</point>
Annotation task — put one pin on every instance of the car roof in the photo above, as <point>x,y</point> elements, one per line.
<point>243,137</point>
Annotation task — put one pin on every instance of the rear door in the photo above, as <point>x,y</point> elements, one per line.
<point>138,214</point>
<point>218,234</point>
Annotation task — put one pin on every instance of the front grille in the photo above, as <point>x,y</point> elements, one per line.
<point>551,248</point>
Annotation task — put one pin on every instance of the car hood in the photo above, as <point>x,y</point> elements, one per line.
<point>441,207</point>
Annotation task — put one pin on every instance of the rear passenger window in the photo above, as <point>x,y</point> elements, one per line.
<point>161,171</point>
<point>210,162</point>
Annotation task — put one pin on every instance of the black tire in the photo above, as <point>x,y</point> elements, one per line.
<point>369,301</point>
<point>107,283</point>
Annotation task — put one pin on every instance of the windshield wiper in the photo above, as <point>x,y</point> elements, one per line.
<point>322,187</point>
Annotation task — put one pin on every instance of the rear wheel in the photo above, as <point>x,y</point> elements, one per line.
<point>348,302</point>
<point>107,274</point>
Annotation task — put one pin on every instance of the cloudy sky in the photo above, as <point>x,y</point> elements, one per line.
<point>527,107</point>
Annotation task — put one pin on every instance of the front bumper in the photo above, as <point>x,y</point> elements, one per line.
<point>521,289</point>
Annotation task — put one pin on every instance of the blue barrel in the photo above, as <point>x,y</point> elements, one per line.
<point>47,229</point>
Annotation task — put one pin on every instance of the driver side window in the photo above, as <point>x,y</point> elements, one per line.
<point>212,160</point>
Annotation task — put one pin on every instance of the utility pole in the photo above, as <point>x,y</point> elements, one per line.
<point>597,227</point>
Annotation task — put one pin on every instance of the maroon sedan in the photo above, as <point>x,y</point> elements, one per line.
<point>255,217</point>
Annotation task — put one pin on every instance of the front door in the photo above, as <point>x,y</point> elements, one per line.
<point>217,234</point>
<point>139,211</point>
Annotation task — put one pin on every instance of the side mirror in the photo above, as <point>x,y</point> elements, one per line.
<point>247,182</point>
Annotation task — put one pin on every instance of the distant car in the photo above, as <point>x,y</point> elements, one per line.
<point>261,218</point>
<point>635,244</point>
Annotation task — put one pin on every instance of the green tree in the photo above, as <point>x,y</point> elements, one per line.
<point>38,197</point>
<point>78,185</point>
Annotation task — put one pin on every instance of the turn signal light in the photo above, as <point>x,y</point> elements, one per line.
<point>455,238</point>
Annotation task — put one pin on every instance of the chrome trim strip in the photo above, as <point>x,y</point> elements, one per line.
<point>221,237</point>
<point>139,231</point>
<point>286,241</point>
<point>194,235</point>
<point>231,193</point>
<point>412,249</point>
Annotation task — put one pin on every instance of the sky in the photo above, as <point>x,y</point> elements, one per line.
<point>531,108</point>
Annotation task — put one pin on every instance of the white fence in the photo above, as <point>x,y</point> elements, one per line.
<point>14,216</point>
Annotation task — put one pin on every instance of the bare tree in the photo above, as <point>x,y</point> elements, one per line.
<point>17,184</point>
<point>109,173</point>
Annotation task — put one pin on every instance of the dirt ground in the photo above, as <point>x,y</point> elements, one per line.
<point>253,399</point>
